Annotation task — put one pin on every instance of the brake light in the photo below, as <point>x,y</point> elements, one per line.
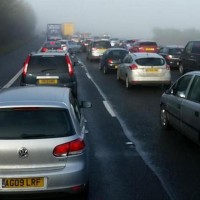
<point>70,66</point>
<point>44,49</point>
<point>110,61</point>
<point>168,56</point>
<point>25,66</point>
<point>133,67</point>
<point>141,49</point>
<point>71,148</point>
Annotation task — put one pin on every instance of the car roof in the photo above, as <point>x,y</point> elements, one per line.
<point>145,55</point>
<point>50,53</point>
<point>193,73</point>
<point>41,96</point>
<point>173,46</point>
<point>116,49</point>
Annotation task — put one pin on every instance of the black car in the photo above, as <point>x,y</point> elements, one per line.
<point>171,54</point>
<point>190,58</point>
<point>53,69</point>
<point>111,58</point>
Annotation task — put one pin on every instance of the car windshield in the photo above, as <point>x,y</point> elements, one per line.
<point>45,63</point>
<point>26,123</point>
<point>150,61</point>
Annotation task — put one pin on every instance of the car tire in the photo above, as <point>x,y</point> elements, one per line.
<point>105,70</point>
<point>181,69</point>
<point>118,76</point>
<point>127,83</point>
<point>100,67</point>
<point>164,122</point>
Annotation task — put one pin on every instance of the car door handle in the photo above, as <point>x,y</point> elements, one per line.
<point>196,113</point>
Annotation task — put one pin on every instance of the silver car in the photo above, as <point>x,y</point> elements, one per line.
<point>42,143</point>
<point>144,69</point>
<point>180,106</point>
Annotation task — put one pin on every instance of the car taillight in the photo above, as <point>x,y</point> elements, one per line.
<point>70,66</point>
<point>110,61</point>
<point>141,49</point>
<point>168,56</point>
<point>25,66</point>
<point>44,49</point>
<point>133,67</point>
<point>71,148</point>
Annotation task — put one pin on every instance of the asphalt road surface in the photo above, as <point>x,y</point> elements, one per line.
<point>131,158</point>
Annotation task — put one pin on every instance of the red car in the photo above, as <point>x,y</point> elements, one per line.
<point>144,46</point>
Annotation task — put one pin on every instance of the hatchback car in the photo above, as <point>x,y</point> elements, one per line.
<point>171,54</point>
<point>97,48</point>
<point>51,45</point>
<point>73,47</point>
<point>144,46</point>
<point>180,106</point>
<point>111,59</point>
<point>42,139</point>
<point>144,69</point>
<point>53,69</point>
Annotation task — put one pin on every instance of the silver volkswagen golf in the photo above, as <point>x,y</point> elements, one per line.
<point>42,145</point>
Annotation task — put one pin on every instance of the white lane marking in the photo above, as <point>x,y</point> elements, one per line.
<point>13,79</point>
<point>109,109</point>
<point>138,147</point>
<point>105,102</point>
<point>88,75</point>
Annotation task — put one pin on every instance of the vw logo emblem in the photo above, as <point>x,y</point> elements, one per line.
<point>23,152</point>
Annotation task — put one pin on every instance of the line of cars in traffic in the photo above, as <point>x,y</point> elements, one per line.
<point>143,63</point>
<point>42,129</point>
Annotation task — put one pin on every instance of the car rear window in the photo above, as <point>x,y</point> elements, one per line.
<point>102,44</point>
<point>54,45</point>
<point>118,54</point>
<point>45,64</point>
<point>30,123</point>
<point>175,51</point>
<point>148,44</point>
<point>150,61</point>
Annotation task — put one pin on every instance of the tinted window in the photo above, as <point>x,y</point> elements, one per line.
<point>196,47</point>
<point>194,94</point>
<point>55,45</point>
<point>102,44</point>
<point>38,123</point>
<point>38,64</point>
<point>150,61</point>
<point>148,44</point>
<point>118,54</point>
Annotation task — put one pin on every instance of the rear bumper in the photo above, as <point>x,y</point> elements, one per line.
<point>73,178</point>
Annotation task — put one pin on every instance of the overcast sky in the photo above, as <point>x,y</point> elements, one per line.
<point>119,18</point>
